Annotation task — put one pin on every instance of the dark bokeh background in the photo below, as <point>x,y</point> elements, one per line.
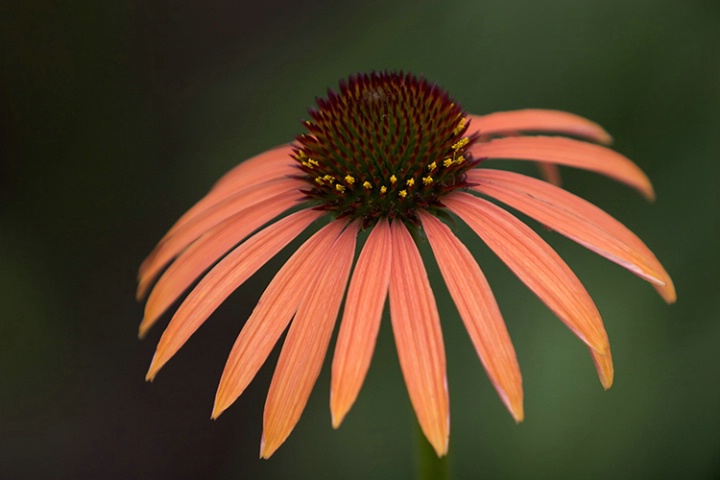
<point>117,116</point>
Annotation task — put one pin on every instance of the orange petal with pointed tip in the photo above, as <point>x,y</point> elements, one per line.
<point>536,264</point>
<point>306,344</point>
<point>577,219</point>
<point>604,366</point>
<point>416,327</point>
<point>272,314</point>
<point>171,246</point>
<point>479,310</point>
<point>538,120</point>
<point>565,151</point>
<point>207,250</point>
<point>223,279</point>
<point>361,321</point>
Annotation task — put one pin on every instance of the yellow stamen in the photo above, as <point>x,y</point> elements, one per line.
<point>339,188</point>
<point>393,179</point>
<point>301,155</point>
<point>403,193</point>
<point>459,160</point>
<point>349,179</point>
<point>432,166</point>
<point>460,126</point>
<point>310,163</point>
<point>367,185</point>
<point>447,162</point>
<point>427,180</point>
<point>461,143</point>
<point>383,189</point>
<point>410,182</point>
<point>328,178</point>
<point>319,180</point>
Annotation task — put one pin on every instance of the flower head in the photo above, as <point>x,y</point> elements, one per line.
<point>395,155</point>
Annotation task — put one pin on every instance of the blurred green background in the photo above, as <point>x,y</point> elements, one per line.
<point>116,116</point>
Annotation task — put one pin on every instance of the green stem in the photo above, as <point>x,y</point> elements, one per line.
<point>430,466</point>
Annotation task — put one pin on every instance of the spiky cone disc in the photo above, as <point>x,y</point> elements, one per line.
<point>385,145</point>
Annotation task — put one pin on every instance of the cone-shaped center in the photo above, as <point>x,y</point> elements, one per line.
<point>384,146</point>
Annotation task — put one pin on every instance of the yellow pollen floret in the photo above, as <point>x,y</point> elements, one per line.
<point>310,163</point>
<point>393,179</point>
<point>432,166</point>
<point>339,188</point>
<point>403,193</point>
<point>459,160</point>
<point>367,185</point>
<point>349,179</point>
<point>328,178</point>
<point>319,180</point>
<point>460,126</point>
<point>461,143</point>
<point>427,180</point>
<point>301,155</point>
<point>410,182</point>
<point>383,189</point>
<point>447,162</point>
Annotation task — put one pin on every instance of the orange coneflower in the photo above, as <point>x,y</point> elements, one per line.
<point>395,155</point>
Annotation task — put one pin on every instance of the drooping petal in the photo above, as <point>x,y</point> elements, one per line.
<point>171,246</point>
<point>271,316</point>
<point>274,163</point>
<point>207,250</point>
<point>416,327</point>
<point>266,167</point>
<point>577,219</point>
<point>307,341</point>
<point>538,120</point>
<point>223,279</point>
<point>479,310</point>
<point>536,264</point>
<point>565,151</point>
<point>604,366</point>
<point>361,321</point>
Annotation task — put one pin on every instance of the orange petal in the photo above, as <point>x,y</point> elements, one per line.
<point>536,264</point>
<point>172,245</point>
<point>271,316</point>
<point>565,151</point>
<point>266,167</point>
<point>536,120</point>
<point>207,250</point>
<point>550,172</point>
<point>577,219</point>
<point>361,321</point>
<point>307,341</point>
<point>416,325</point>
<point>223,279</point>
<point>479,311</point>
<point>274,163</point>
<point>604,367</point>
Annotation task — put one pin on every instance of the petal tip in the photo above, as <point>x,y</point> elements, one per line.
<point>267,449</point>
<point>337,418</point>
<point>143,329</point>
<point>518,414</point>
